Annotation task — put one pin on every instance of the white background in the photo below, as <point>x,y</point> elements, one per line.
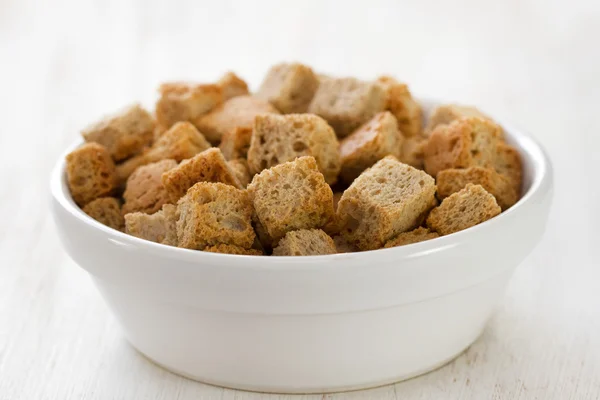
<point>63,64</point>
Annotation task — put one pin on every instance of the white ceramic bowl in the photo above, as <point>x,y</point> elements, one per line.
<point>309,324</point>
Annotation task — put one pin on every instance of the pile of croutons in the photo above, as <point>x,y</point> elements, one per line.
<point>307,165</point>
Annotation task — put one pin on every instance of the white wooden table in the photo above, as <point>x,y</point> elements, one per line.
<point>65,63</point>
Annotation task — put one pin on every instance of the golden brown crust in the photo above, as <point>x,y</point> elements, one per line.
<point>305,242</point>
<point>347,103</point>
<point>235,113</point>
<point>214,213</point>
<point>448,113</point>
<point>232,86</point>
<point>107,211</point>
<point>377,138</point>
<point>208,166</point>
<point>233,249</point>
<point>144,191</point>
<point>181,101</point>
<point>402,105</point>
<point>470,206</point>
<point>240,170</point>
<point>289,87</point>
<point>508,163</point>
<point>450,181</point>
<point>281,138</point>
<point>291,196</point>
<point>384,201</point>
<point>417,235</point>
<point>90,173</point>
<point>159,227</point>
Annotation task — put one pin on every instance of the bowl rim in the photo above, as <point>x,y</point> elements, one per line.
<point>529,148</point>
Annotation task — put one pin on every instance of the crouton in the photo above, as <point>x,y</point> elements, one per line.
<point>289,87</point>
<point>180,142</point>
<point>159,227</point>
<point>181,101</point>
<point>144,191</point>
<point>233,249</point>
<point>453,180</point>
<point>124,133</point>
<point>291,196</point>
<point>236,113</point>
<point>468,207</point>
<point>464,143</point>
<point>377,138</point>
<point>90,173</point>
<point>384,201</point>
<point>347,103</point>
<point>508,163</point>
<point>281,138</point>
<point>412,151</point>
<point>214,213</point>
<point>444,115</point>
<point>235,143</point>
<point>208,166</point>
<point>232,85</point>
<point>305,242</point>
<point>417,235</point>
<point>402,105</point>
<point>107,211</point>
<point>342,246</point>
<point>239,167</point>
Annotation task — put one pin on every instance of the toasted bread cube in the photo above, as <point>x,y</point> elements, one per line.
<point>144,191</point>
<point>214,213</point>
<point>468,207</point>
<point>446,114</point>
<point>289,87</point>
<point>107,211</point>
<point>208,166</point>
<point>377,138</point>
<point>305,242</point>
<point>291,196</point>
<point>281,138</point>
<point>232,86</point>
<point>412,151</point>
<point>181,101</point>
<point>384,201</point>
<point>417,235</point>
<point>180,142</point>
<point>450,181</point>
<point>124,133</point>
<point>347,103</point>
<point>402,105</point>
<point>159,227</point>
<point>233,249</point>
<point>508,163</point>
<point>236,142</point>
<point>240,170</point>
<point>235,113</point>
<point>90,173</point>
<point>342,246</point>
<point>468,142</point>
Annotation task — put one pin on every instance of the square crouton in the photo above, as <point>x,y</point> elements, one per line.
<point>144,191</point>
<point>508,163</point>
<point>240,170</point>
<point>107,211</point>
<point>232,85</point>
<point>452,180</point>
<point>159,227</point>
<point>214,213</point>
<point>281,138</point>
<point>305,242</point>
<point>208,166</point>
<point>446,114</point>
<point>236,142</point>
<point>233,249</point>
<point>124,134</point>
<point>464,143</point>
<point>384,201</point>
<point>289,87</point>
<point>417,235</point>
<point>347,103</point>
<point>90,173</point>
<point>412,151</point>
<point>180,142</point>
<point>291,196</point>
<point>468,207</point>
<point>181,101</point>
<point>235,113</point>
<point>377,138</point>
<point>402,105</point>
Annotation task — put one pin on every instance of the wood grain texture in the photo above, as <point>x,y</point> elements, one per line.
<point>65,63</point>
